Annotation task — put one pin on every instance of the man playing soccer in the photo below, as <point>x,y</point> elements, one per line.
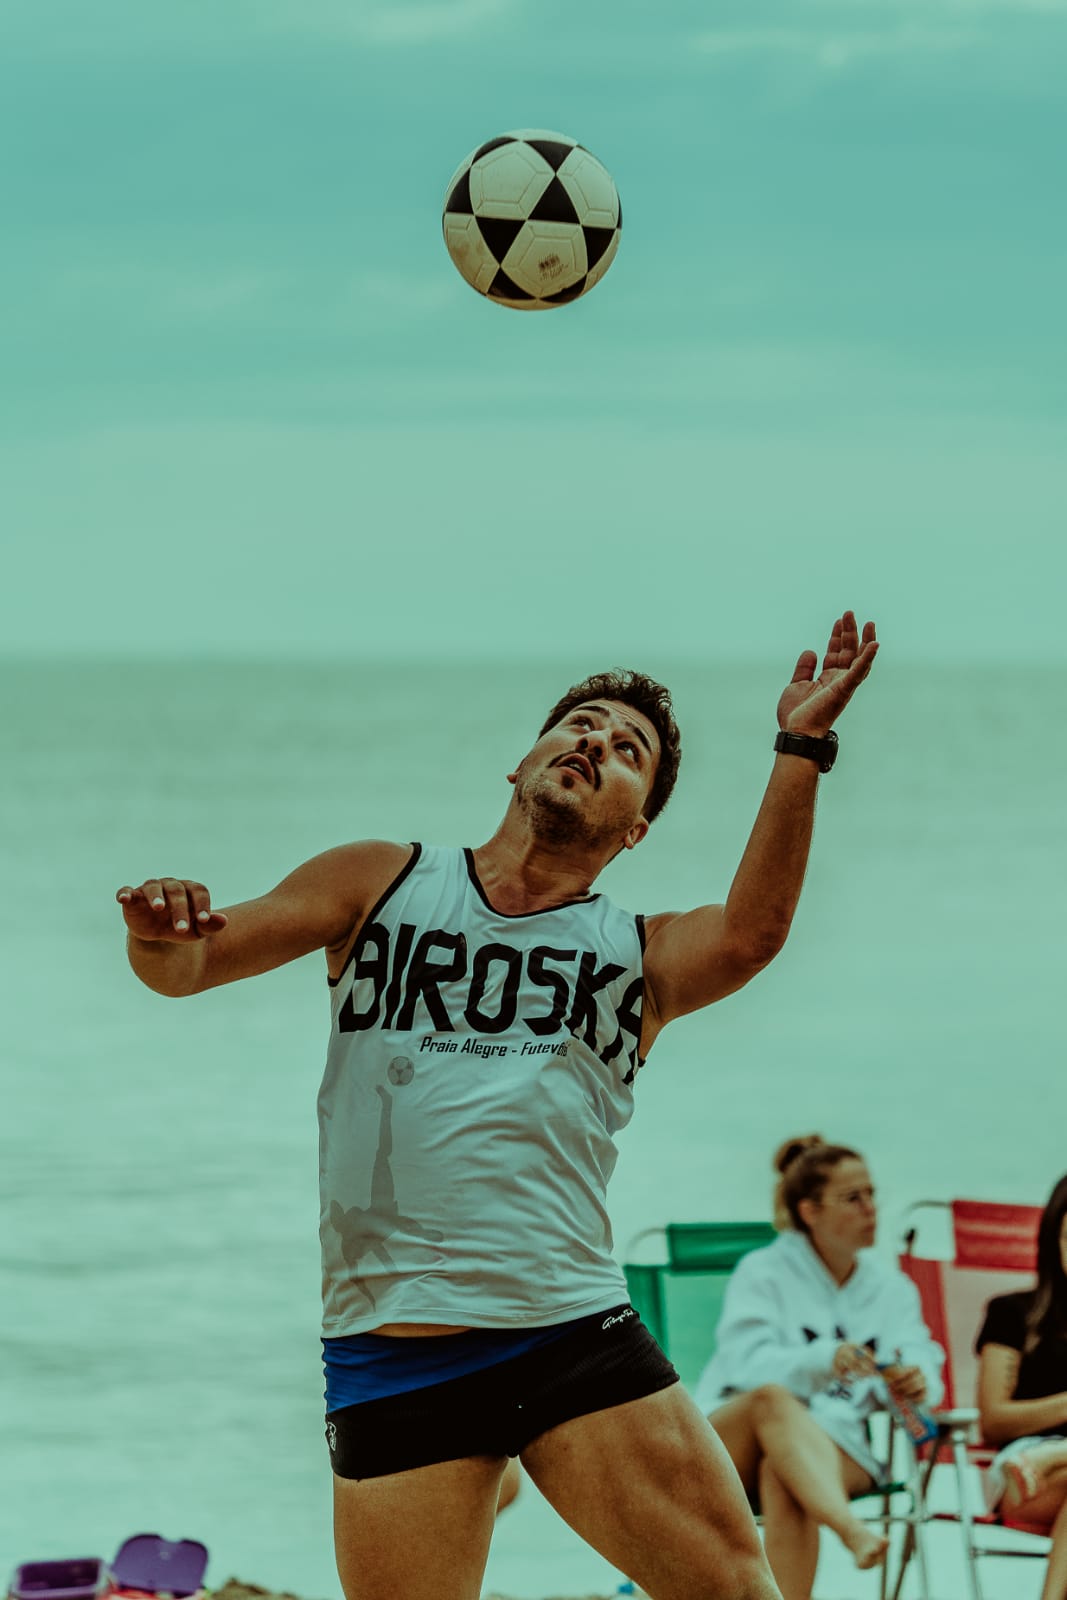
<point>489,1016</point>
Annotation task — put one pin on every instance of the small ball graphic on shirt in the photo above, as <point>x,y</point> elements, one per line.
<point>401,1070</point>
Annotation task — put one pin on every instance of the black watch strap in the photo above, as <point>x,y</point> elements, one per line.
<point>823,751</point>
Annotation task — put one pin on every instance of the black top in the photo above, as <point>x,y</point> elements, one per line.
<point>1043,1370</point>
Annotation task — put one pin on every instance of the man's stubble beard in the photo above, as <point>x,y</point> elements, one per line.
<point>554,817</point>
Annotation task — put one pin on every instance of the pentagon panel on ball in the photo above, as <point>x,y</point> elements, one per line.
<point>532,219</point>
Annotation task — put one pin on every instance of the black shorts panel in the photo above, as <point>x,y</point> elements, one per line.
<point>503,1408</point>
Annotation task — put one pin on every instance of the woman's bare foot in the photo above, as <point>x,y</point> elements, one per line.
<point>868,1548</point>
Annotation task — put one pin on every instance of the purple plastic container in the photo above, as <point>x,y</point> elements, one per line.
<point>81,1579</point>
<point>159,1566</point>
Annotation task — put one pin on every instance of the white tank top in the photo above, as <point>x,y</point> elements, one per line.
<point>479,1067</point>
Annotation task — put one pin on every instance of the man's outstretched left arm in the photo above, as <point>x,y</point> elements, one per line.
<point>693,958</point>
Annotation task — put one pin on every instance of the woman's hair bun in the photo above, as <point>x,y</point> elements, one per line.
<point>788,1152</point>
<point>803,1165</point>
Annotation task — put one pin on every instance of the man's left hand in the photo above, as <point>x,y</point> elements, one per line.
<point>812,705</point>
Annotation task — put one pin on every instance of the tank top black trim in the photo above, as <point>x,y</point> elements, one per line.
<point>516,916</point>
<point>416,852</point>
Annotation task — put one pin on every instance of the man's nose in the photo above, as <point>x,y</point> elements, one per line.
<point>593,744</point>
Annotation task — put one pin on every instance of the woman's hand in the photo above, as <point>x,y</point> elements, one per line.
<point>906,1383</point>
<point>853,1361</point>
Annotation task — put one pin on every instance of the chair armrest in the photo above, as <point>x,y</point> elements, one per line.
<point>956,1420</point>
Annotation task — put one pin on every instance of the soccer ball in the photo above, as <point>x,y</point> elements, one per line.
<point>532,220</point>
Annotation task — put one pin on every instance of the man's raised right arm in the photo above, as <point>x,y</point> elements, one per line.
<point>177,944</point>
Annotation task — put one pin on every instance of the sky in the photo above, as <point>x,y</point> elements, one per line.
<point>248,407</point>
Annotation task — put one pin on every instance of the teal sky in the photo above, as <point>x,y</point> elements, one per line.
<point>249,406</point>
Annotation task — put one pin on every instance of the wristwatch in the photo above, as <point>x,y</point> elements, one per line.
<point>824,751</point>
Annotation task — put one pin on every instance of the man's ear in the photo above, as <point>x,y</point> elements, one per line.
<point>513,777</point>
<point>635,834</point>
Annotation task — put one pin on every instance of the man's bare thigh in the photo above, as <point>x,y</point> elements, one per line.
<point>417,1535</point>
<point>650,1486</point>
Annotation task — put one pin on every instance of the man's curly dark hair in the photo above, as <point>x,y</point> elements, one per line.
<point>643,694</point>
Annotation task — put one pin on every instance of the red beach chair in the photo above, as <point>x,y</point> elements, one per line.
<point>994,1251</point>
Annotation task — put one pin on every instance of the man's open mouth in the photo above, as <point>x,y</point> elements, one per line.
<point>582,766</point>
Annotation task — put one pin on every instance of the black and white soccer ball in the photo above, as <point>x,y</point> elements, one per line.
<point>532,220</point>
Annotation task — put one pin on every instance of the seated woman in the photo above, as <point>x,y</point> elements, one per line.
<point>816,1333</point>
<point>1022,1394</point>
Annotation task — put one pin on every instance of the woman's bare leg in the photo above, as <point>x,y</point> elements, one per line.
<point>1037,1480</point>
<point>790,1536</point>
<point>818,1475</point>
<point>1055,1585</point>
<point>733,1422</point>
<point>1037,1492</point>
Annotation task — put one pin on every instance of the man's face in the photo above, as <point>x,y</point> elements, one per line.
<point>587,780</point>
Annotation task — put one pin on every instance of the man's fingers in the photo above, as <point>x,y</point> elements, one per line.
<point>177,904</point>
<point>845,638</point>
<point>199,902</point>
<point>204,920</point>
<point>807,661</point>
<point>847,682</point>
<point>833,649</point>
<point>863,662</point>
<point>167,907</point>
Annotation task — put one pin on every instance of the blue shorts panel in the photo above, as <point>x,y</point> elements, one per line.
<point>371,1366</point>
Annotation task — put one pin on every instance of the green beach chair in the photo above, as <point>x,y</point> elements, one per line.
<point>680,1301</point>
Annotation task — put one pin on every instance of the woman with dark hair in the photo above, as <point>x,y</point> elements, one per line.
<point>816,1333</point>
<point>1022,1394</point>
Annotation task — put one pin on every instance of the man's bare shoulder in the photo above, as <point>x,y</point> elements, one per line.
<point>366,858</point>
<point>359,873</point>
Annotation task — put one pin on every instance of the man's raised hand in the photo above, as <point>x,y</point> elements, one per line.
<point>173,909</point>
<point>812,705</point>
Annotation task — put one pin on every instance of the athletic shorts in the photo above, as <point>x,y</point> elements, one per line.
<point>500,1409</point>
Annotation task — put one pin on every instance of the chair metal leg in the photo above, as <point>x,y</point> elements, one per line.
<point>959,1456</point>
<point>920,1557</point>
<point>912,1543</point>
<point>883,1585</point>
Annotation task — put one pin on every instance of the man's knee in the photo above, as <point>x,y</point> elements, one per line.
<point>751,1579</point>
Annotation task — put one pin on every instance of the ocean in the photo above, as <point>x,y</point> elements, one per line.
<point>159,1357</point>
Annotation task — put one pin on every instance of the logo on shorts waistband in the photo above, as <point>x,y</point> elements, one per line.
<point>331,1435</point>
<point>610,1322</point>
